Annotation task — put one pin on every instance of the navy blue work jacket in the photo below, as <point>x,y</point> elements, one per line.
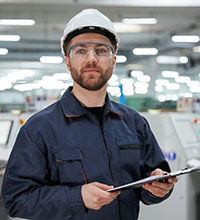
<point>63,147</point>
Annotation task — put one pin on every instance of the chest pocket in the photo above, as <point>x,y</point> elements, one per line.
<point>70,166</point>
<point>130,153</point>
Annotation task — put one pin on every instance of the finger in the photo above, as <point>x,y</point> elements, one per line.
<point>173,180</point>
<point>163,185</point>
<point>102,186</point>
<point>155,190</point>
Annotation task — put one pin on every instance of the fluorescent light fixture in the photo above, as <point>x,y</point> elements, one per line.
<point>62,76</point>
<point>161,98</point>
<point>145,51</point>
<point>141,85</point>
<point>26,87</point>
<point>188,95</point>
<point>127,28</point>
<point>49,82</point>
<point>193,83</point>
<point>195,89</point>
<point>158,88</point>
<point>182,79</point>
<point>169,74</point>
<point>3,51</point>
<point>141,90</point>
<point>196,49</point>
<point>185,38</point>
<point>22,22</point>
<point>5,84</point>
<point>51,59</point>
<point>128,89</point>
<point>144,78</point>
<point>162,82</point>
<point>183,59</point>
<point>9,37</point>
<point>126,81</point>
<point>113,81</point>
<point>139,20</point>
<point>114,91</point>
<point>136,73</point>
<point>121,59</point>
<point>173,86</point>
<point>171,59</point>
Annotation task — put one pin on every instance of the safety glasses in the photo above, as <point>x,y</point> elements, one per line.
<point>83,49</point>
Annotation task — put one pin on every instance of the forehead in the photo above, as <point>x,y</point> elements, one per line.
<point>89,37</point>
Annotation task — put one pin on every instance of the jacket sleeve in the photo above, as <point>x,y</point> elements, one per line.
<point>26,191</point>
<point>153,159</point>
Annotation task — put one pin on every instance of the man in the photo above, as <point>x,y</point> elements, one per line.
<point>68,155</point>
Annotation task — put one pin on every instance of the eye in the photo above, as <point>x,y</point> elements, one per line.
<point>80,51</point>
<point>102,51</point>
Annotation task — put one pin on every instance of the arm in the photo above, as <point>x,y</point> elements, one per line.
<point>154,164</point>
<point>27,191</point>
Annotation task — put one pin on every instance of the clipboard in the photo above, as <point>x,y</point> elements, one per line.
<point>151,179</point>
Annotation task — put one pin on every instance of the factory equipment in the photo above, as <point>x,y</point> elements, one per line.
<point>9,127</point>
<point>179,137</point>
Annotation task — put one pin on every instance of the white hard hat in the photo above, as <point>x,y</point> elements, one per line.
<point>89,20</point>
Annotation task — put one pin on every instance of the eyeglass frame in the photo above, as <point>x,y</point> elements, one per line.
<point>92,42</point>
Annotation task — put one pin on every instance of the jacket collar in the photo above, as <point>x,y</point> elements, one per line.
<point>73,108</point>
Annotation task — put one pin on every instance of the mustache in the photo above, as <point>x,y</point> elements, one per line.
<point>92,66</point>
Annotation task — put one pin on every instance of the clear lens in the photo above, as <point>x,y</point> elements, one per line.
<point>82,50</point>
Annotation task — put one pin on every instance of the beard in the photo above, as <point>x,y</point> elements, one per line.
<point>91,82</point>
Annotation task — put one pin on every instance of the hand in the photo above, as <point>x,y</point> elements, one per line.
<point>160,189</point>
<point>95,196</point>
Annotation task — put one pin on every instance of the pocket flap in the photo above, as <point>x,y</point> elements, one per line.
<point>68,154</point>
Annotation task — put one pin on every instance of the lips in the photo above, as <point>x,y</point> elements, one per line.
<point>90,70</point>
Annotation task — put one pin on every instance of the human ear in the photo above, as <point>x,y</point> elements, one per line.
<point>67,62</point>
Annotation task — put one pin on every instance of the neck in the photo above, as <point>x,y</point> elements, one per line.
<point>89,98</point>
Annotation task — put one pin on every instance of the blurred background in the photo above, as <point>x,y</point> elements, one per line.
<point>157,73</point>
<point>158,59</point>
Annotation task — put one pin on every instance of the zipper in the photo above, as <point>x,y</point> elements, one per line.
<point>107,152</point>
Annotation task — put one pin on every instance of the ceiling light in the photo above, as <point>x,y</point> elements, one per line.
<point>158,88</point>
<point>141,90</point>
<point>139,20</point>
<point>171,59</point>
<point>136,73</point>
<point>22,22</point>
<point>128,89</point>
<point>114,90</point>
<point>62,76</point>
<point>141,85</point>
<point>126,81</point>
<point>173,86</point>
<point>195,89</point>
<point>196,49</point>
<point>188,94</point>
<point>185,38</point>
<point>51,59</point>
<point>183,59</point>
<point>182,79</point>
<point>127,28</point>
<point>161,98</point>
<point>144,78</point>
<point>145,51</point>
<point>121,59</point>
<point>193,83</point>
<point>162,82</point>
<point>170,74</point>
<point>9,37</point>
<point>3,51</point>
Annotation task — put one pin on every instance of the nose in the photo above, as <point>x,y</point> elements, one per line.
<point>91,56</point>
